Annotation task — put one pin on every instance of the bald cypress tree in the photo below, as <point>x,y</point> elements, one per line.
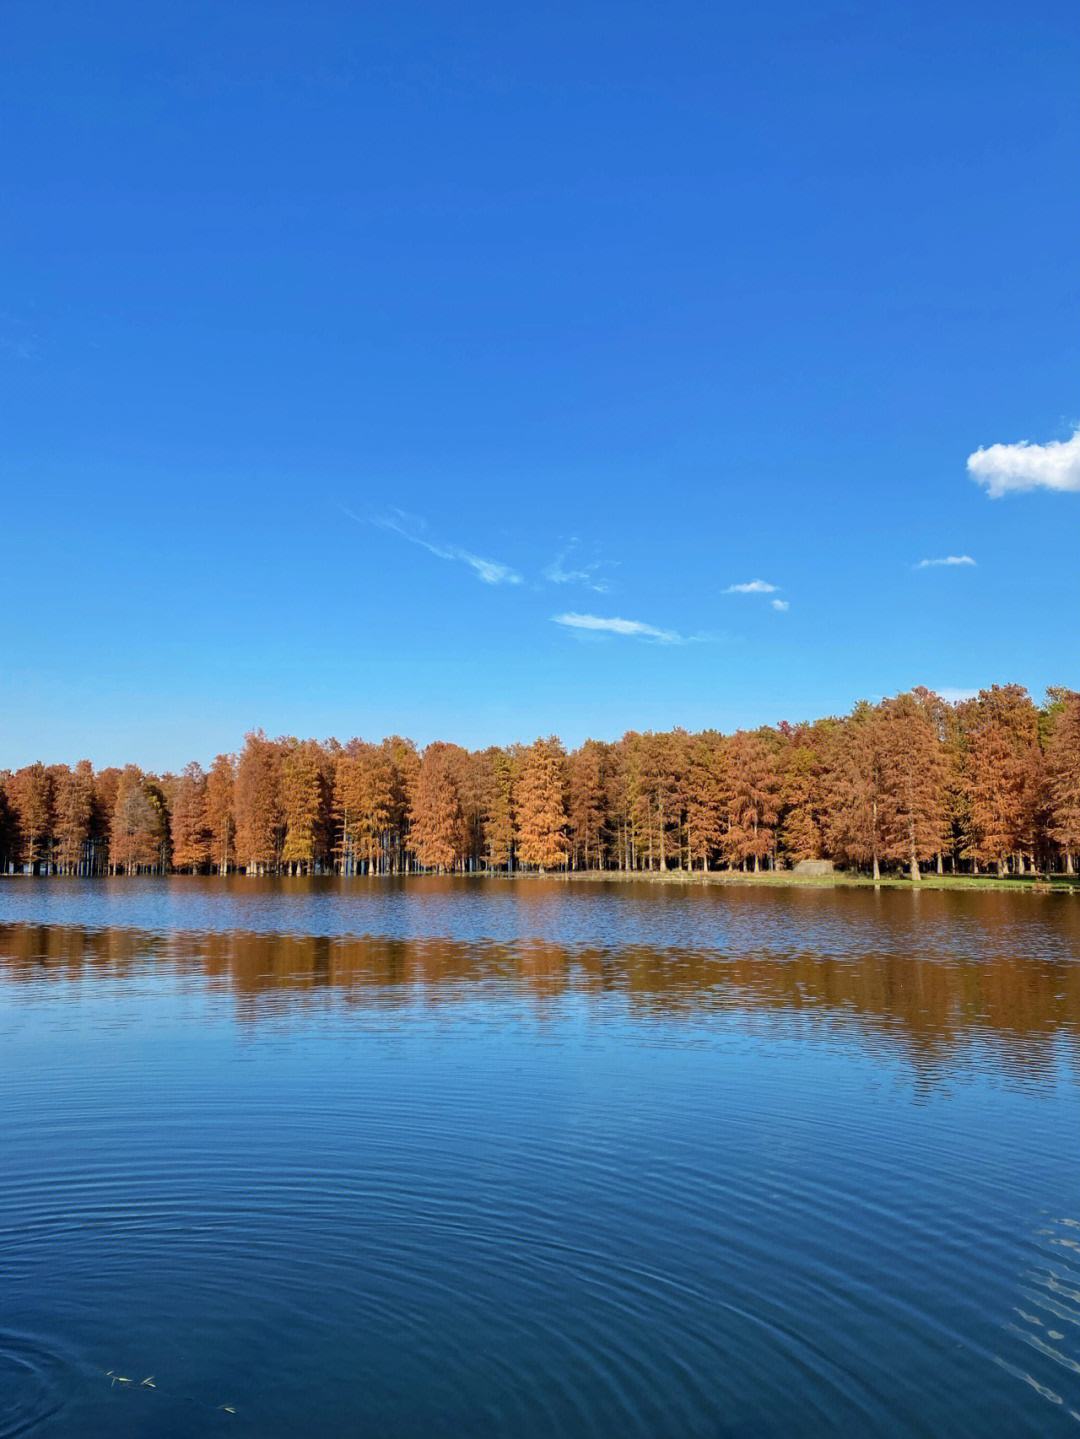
<point>301,804</point>
<point>858,796</point>
<point>541,806</point>
<point>74,801</point>
<point>1063,763</point>
<point>436,823</point>
<point>220,821</point>
<point>30,794</point>
<point>914,778</point>
<point>587,770</point>
<point>499,809</point>
<point>136,831</point>
<point>189,821</point>
<point>1004,765</point>
<point>754,806</point>
<point>363,804</point>
<point>257,804</point>
<point>801,766</point>
<point>706,797</point>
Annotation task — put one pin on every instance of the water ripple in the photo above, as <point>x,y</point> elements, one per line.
<point>524,1165</point>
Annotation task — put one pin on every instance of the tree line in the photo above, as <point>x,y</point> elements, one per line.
<point>913,783</point>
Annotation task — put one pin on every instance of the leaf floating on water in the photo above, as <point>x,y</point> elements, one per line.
<point>228,1408</point>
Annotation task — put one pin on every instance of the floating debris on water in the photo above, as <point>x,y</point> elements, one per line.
<point>150,1382</point>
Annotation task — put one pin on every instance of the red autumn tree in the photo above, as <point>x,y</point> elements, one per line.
<point>30,794</point>
<point>1004,776</point>
<point>436,824</point>
<point>706,796</point>
<point>541,807</point>
<point>74,799</point>
<point>754,806</point>
<point>914,776</point>
<point>662,756</point>
<point>404,771</point>
<point>190,827</point>
<point>364,803</point>
<point>301,798</point>
<point>1063,764</point>
<point>136,831</point>
<point>858,796</point>
<point>220,823</point>
<point>627,799</point>
<point>801,766</point>
<point>499,808</point>
<point>257,803</point>
<point>587,771</point>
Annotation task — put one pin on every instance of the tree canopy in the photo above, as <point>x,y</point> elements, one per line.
<point>909,783</point>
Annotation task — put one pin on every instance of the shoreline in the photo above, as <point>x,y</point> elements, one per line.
<point>774,879</point>
<point>840,879</point>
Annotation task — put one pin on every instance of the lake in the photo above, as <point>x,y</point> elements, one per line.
<point>529,1158</point>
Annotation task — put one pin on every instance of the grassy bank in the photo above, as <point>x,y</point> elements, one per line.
<point>841,879</point>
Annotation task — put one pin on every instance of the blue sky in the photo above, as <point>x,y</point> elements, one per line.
<point>344,349</point>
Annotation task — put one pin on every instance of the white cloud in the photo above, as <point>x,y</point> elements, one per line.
<point>560,572</point>
<point>1004,469</point>
<point>491,572</point>
<point>752,587</point>
<point>945,560</point>
<point>636,629</point>
<point>954,696</point>
<point>782,605</point>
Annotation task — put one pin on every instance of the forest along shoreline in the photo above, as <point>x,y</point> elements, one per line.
<point>913,786</point>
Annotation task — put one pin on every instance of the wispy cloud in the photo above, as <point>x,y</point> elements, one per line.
<point>945,560</point>
<point>491,572</point>
<point>564,571</point>
<point>635,629</point>
<point>782,605</point>
<point>954,696</point>
<point>752,587</point>
<point>17,338</point>
<point>1005,469</point>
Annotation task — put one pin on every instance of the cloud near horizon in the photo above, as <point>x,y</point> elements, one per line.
<point>752,587</point>
<point>1012,469</point>
<point>635,629</point>
<point>945,560</point>
<point>490,572</point>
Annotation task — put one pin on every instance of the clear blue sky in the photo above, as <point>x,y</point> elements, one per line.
<point>343,348</point>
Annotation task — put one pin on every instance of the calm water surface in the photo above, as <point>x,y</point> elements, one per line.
<point>528,1158</point>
